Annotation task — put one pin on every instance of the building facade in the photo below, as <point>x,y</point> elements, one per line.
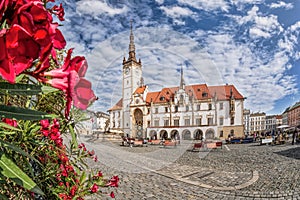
<point>182,112</point>
<point>272,123</point>
<point>293,114</point>
<point>257,122</point>
<point>246,121</point>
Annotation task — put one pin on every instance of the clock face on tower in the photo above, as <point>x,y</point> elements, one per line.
<point>127,70</point>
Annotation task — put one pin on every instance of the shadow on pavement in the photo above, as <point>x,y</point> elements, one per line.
<point>291,153</point>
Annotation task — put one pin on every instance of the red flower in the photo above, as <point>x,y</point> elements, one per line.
<point>113,182</point>
<point>10,122</point>
<point>63,170</point>
<point>83,94</point>
<point>63,157</point>
<point>69,78</point>
<point>45,123</point>
<point>73,190</point>
<point>81,145</point>
<point>100,174</point>
<point>15,56</point>
<point>91,153</point>
<point>94,188</point>
<point>112,195</point>
<point>59,11</point>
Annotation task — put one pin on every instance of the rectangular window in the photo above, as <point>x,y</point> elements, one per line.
<point>186,122</point>
<point>232,121</point>
<point>156,122</point>
<point>210,121</point>
<point>221,133</point>
<point>166,109</point>
<point>209,106</point>
<point>198,121</point>
<point>156,110</point>
<point>176,122</point>
<point>221,120</point>
<point>187,108</point>
<point>198,107</point>
<point>176,108</point>
<point>148,123</point>
<point>166,122</point>
<point>221,106</point>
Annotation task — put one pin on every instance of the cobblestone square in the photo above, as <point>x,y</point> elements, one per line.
<point>238,171</point>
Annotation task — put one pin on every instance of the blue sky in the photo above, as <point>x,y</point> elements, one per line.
<point>253,44</point>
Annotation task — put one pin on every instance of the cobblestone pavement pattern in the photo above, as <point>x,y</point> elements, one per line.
<point>241,171</point>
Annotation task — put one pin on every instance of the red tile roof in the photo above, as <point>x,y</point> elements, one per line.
<point>117,106</point>
<point>140,90</point>
<point>199,92</point>
<point>223,92</point>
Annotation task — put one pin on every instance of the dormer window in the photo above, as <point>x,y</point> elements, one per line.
<point>162,98</point>
<point>204,94</point>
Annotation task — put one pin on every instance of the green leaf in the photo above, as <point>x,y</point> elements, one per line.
<point>20,89</point>
<point>82,178</point>
<point>14,173</point>
<point>3,197</point>
<point>7,126</point>
<point>19,78</point>
<point>73,134</point>
<point>48,89</point>
<point>17,149</point>
<point>22,113</point>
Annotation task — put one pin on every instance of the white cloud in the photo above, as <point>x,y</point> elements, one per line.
<point>177,12</point>
<point>261,26</point>
<point>96,7</point>
<point>295,26</point>
<point>206,5</point>
<point>163,51</point>
<point>282,4</point>
<point>256,32</point>
<point>289,42</point>
<point>255,78</point>
<point>159,1</point>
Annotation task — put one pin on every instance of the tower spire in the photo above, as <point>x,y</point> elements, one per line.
<point>182,83</point>
<point>131,44</point>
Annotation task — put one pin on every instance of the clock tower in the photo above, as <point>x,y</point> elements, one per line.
<point>132,74</point>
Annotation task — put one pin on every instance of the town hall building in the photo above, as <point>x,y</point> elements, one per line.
<point>182,112</point>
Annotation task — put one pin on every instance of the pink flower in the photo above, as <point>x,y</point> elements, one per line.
<point>91,153</point>
<point>113,182</point>
<point>69,78</point>
<point>83,94</point>
<point>95,158</point>
<point>94,188</point>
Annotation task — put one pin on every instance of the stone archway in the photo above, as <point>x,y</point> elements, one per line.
<point>198,134</point>
<point>175,135</point>
<point>163,134</point>
<point>153,135</point>
<point>186,134</point>
<point>210,134</point>
<point>138,122</point>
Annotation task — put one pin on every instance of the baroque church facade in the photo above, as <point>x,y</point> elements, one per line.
<point>183,112</point>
